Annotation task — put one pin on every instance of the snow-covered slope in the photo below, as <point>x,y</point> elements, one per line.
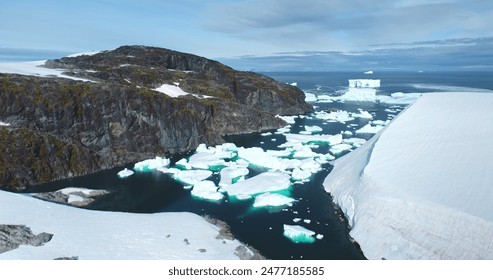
<point>111,235</point>
<point>422,188</point>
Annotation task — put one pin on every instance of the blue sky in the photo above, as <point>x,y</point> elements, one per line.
<point>262,33</point>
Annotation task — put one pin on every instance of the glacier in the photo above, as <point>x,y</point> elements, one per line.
<point>421,187</point>
<point>101,235</point>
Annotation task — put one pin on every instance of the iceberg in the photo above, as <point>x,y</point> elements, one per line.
<point>364,83</point>
<point>125,173</point>
<point>151,164</point>
<point>420,189</point>
<point>272,200</point>
<point>298,234</point>
<point>310,97</point>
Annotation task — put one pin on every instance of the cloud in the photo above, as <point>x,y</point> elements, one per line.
<point>349,25</point>
<point>438,55</point>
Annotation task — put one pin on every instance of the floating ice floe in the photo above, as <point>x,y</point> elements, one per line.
<point>356,142</point>
<point>369,129</point>
<point>273,200</point>
<point>151,164</point>
<point>125,173</point>
<point>340,148</point>
<point>313,129</point>
<point>337,116</point>
<point>326,139</point>
<point>232,174</point>
<point>265,182</point>
<point>362,115</point>
<point>298,234</point>
<point>368,72</point>
<point>206,190</point>
<point>192,177</point>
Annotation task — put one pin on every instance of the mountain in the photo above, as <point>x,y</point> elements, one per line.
<point>61,127</point>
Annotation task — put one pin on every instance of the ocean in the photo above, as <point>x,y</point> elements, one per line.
<point>263,228</point>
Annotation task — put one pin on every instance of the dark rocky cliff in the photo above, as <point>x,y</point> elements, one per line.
<point>63,128</point>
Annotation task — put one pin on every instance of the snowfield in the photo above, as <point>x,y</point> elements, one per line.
<point>422,188</point>
<point>100,235</point>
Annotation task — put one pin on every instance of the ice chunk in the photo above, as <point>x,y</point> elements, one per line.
<point>368,72</point>
<point>283,130</point>
<point>293,139</point>
<point>125,173</point>
<point>359,94</point>
<point>310,97</point>
<point>206,190</point>
<point>300,174</point>
<point>265,182</point>
<point>298,234</point>
<point>232,174</point>
<point>183,164</point>
<point>288,119</point>
<point>356,142</point>
<point>363,115</point>
<point>369,129</point>
<point>319,236</point>
<point>192,177</point>
<point>364,83</point>
<point>266,134</point>
<point>272,199</point>
<point>206,160</point>
<point>313,129</point>
<point>340,148</point>
<point>258,157</point>
<point>347,133</point>
<point>338,116</point>
<point>4,124</point>
<point>151,164</point>
<point>307,221</point>
<point>296,220</point>
<point>379,122</point>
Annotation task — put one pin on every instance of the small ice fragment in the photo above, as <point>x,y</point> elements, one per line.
<point>298,234</point>
<point>125,173</point>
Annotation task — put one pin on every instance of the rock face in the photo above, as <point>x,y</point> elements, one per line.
<point>62,128</point>
<point>12,236</point>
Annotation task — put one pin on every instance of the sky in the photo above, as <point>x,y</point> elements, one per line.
<point>260,34</point>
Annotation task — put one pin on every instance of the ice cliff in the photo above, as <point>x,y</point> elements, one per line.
<point>421,188</point>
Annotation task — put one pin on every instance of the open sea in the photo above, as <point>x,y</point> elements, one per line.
<point>262,228</point>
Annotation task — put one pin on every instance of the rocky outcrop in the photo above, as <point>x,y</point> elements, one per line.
<point>12,236</point>
<point>62,128</point>
<point>151,67</point>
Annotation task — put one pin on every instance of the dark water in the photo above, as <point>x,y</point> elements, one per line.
<point>157,192</point>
